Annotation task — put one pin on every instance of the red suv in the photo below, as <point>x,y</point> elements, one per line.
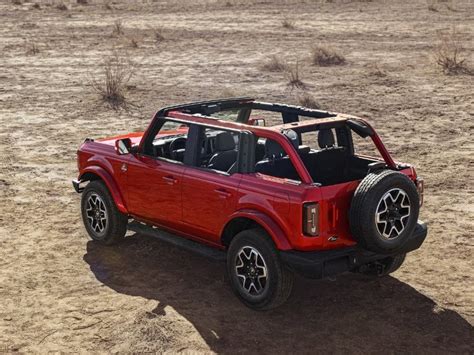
<point>316,194</point>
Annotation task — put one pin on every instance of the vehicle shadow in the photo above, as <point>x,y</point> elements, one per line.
<point>352,314</point>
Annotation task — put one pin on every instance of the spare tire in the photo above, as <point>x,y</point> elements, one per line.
<point>384,211</point>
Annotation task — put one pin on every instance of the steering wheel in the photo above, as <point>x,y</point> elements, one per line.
<point>178,143</point>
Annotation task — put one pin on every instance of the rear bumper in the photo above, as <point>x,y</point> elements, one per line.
<point>320,264</point>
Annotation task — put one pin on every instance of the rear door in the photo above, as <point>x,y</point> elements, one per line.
<point>209,198</point>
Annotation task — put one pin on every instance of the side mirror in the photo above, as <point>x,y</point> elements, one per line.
<point>257,122</point>
<point>123,146</point>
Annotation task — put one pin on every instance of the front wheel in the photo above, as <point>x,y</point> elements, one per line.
<point>103,221</point>
<point>256,274</point>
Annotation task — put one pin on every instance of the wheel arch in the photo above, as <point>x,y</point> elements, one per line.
<point>248,219</point>
<point>93,173</point>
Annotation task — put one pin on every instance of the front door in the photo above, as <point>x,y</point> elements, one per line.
<point>154,189</point>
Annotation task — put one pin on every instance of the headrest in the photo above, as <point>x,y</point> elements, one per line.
<point>326,138</point>
<point>273,149</point>
<point>225,141</point>
<point>292,136</point>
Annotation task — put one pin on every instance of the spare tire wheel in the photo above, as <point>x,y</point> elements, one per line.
<point>384,211</point>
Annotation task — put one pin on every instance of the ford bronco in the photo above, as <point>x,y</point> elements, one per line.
<point>273,189</point>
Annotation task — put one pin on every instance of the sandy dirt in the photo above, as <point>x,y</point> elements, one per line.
<point>61,292</point>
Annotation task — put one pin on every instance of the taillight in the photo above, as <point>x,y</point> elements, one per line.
<point>420,185</point>
<point>311,219</point>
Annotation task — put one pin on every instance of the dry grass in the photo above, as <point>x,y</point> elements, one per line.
<point>325,56</point>
<point>117,29</point>
<point>117,72</point>
<point>288,24</point>
<point>274,64</point>
<point>17,2</point>
<point>449,54</point>
<point>293,77</point>
<point>308,101</point>
<point>82,2</point>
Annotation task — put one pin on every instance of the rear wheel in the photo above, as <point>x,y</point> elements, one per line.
<point>256,274</point>
<point>103,221</point>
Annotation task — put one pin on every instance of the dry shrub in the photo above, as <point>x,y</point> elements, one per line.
<point>158,33</point>
<point>288,24</point>
<point>274,64</point>
<point>108,6</point>
<point>375,70</point>
<point>133,42</point>
<point>308,101</point>
<point>17,2</point>
<point>324,56</point>
<point>449,54</point>
<point>82,2</point>
<point>62,6</point>
<point>117,72</point>
<point>36,6</point>
<point>293,77</point>
<point>432,8</point>
<point>450,8</point>
<point>32,48</point>
<point>117,29</point>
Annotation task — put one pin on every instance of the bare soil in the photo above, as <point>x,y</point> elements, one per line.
<point>61,292</point>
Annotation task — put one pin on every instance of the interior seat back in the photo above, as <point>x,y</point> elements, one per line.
<point>276,162</point>
<point>328,165</point>
<point>225,155</point>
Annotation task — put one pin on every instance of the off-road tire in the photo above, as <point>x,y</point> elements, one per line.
<point>384,266</point>
<point>392,264</point>
<point>279,281</point>
<point>362,214</point>
<point>116,225</point>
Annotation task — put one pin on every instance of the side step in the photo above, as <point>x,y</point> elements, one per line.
<point>180,242</point>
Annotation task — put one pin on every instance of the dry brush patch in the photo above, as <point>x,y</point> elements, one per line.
<point>450,54</point>
<point>293,77</point>
<point>308,101</point>
<point>274,64</point>
<point>158,34</point>
<point>117,29</point>
<point>62,6</point>
<point>117,71</point>
<point>288,24</point>
<point>326,56</point>
<point>32,48</point>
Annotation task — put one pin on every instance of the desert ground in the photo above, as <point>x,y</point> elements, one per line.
<point>61,292</point>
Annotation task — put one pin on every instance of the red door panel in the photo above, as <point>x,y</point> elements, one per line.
<point>154,190</point>
<point>208,200</point>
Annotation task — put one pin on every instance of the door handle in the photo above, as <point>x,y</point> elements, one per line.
<point>223,193</point>
<point>170,180</point>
